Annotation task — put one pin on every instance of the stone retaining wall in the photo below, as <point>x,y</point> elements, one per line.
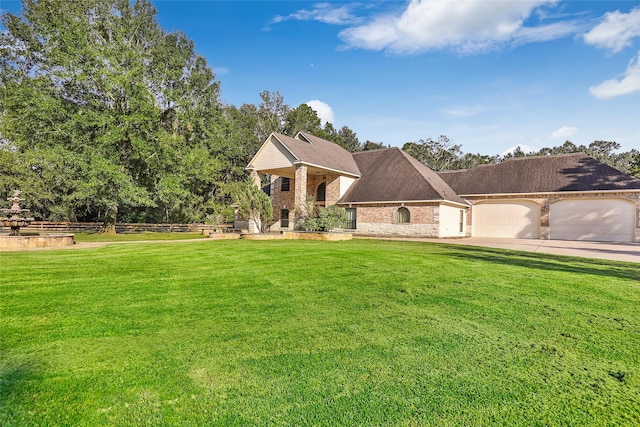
<point>40,241</point>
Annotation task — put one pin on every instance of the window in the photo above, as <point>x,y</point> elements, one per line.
<point>284,218</point>
<point>285,184</point>
<point>351,218</point>
<point>321,194</point>
<point>402,216</point>
<point>461,221</point>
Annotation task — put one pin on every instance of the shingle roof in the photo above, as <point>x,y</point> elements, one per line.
<point>317,151</point>
<point>540,174</point>
<point>390,175</point>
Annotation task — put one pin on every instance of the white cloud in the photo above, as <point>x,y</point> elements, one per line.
<point>563,133</point>
<point>219,71</point>
<point>616,31</point>
<point>465,26</point>
<point>629,83</point>
<point>322,12</point>
<point>325,112</point>
<point>464,110</point>
<point>545,33</point>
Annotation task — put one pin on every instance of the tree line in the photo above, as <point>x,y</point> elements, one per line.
<point>442,154</point>
<point>105,116</point>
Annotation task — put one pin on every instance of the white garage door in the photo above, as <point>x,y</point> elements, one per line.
<point>599,220</point>
<point>511,219</point>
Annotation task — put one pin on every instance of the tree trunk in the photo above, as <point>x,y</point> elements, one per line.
<point>109,223</point>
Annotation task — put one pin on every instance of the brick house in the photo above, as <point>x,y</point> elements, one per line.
<point>388,192</point>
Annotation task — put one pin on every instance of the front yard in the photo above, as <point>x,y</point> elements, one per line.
<point>316,333</point>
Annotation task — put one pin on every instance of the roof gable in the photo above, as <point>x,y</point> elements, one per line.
<point>391,175</point>
<point>272,155</point>
<point>540,174</point>
<point>311,150</point>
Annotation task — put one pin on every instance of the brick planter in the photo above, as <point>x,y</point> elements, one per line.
<point>300,235</point>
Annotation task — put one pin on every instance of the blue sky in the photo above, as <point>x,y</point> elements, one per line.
<point>489,74</point>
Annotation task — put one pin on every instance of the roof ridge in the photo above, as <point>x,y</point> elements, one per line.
<point>418,165</point>
<point>376,150</point>
<point>540,156</point>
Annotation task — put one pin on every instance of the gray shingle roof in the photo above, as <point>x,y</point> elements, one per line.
<point>390,175</point>
<point>540,174</point>
<point>320,152</point>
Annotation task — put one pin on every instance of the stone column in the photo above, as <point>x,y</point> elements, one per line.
<point>300,194</point>
<point>254,227</point>
<point>255,177</point>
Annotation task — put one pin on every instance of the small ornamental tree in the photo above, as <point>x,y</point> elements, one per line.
<point>254,204</point>
<point>305,213</point>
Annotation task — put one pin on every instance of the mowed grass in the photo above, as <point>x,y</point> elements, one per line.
<point>130,237</point>
<point>304,333</point>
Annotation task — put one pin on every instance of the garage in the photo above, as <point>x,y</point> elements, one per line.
<point>598,220</point>
<point>507,219</point>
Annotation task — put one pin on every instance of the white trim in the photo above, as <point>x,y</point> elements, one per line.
<point>546,193</point>
<point>501,201</point>
<point>302,162</point>
<point>439,201</point>
<point>455,204</point>
<point>304,138</point>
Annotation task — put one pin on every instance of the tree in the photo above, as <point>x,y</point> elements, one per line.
<point>303,118</point>
<point>603,151</point>
<point>272,114</point>
<point>349,140</point>
<point>254,204</point>
<point>100,83</point>
<point>440,154</point>
<point>370,145</point>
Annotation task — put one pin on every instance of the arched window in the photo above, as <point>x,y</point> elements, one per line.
<point>321,193</point>
<point>403,216</point>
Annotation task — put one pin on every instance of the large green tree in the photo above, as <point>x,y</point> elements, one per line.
<point>303,118</point>
<point>439,154</point>
<point>100,103</point>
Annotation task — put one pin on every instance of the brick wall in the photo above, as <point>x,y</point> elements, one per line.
<point>375,219</point>
<point>281,200</point>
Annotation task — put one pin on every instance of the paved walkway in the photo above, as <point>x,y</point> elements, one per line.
<point>629,252</point>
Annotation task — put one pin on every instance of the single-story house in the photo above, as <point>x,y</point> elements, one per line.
<point>388,192</point>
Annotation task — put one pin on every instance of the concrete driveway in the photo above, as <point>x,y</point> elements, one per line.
<point>629,252</point>
<point>602,250</point>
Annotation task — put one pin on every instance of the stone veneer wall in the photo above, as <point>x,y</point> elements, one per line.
<point>545,200</point>
<point>375,219</point>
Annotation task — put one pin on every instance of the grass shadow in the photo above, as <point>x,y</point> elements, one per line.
<point>12,379</point>
<point>617,269</point>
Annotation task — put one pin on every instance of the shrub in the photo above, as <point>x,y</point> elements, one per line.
<point>312,218</point>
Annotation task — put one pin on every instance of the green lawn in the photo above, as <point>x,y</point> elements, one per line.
<point>308,333</point>
<point>129,237</point>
